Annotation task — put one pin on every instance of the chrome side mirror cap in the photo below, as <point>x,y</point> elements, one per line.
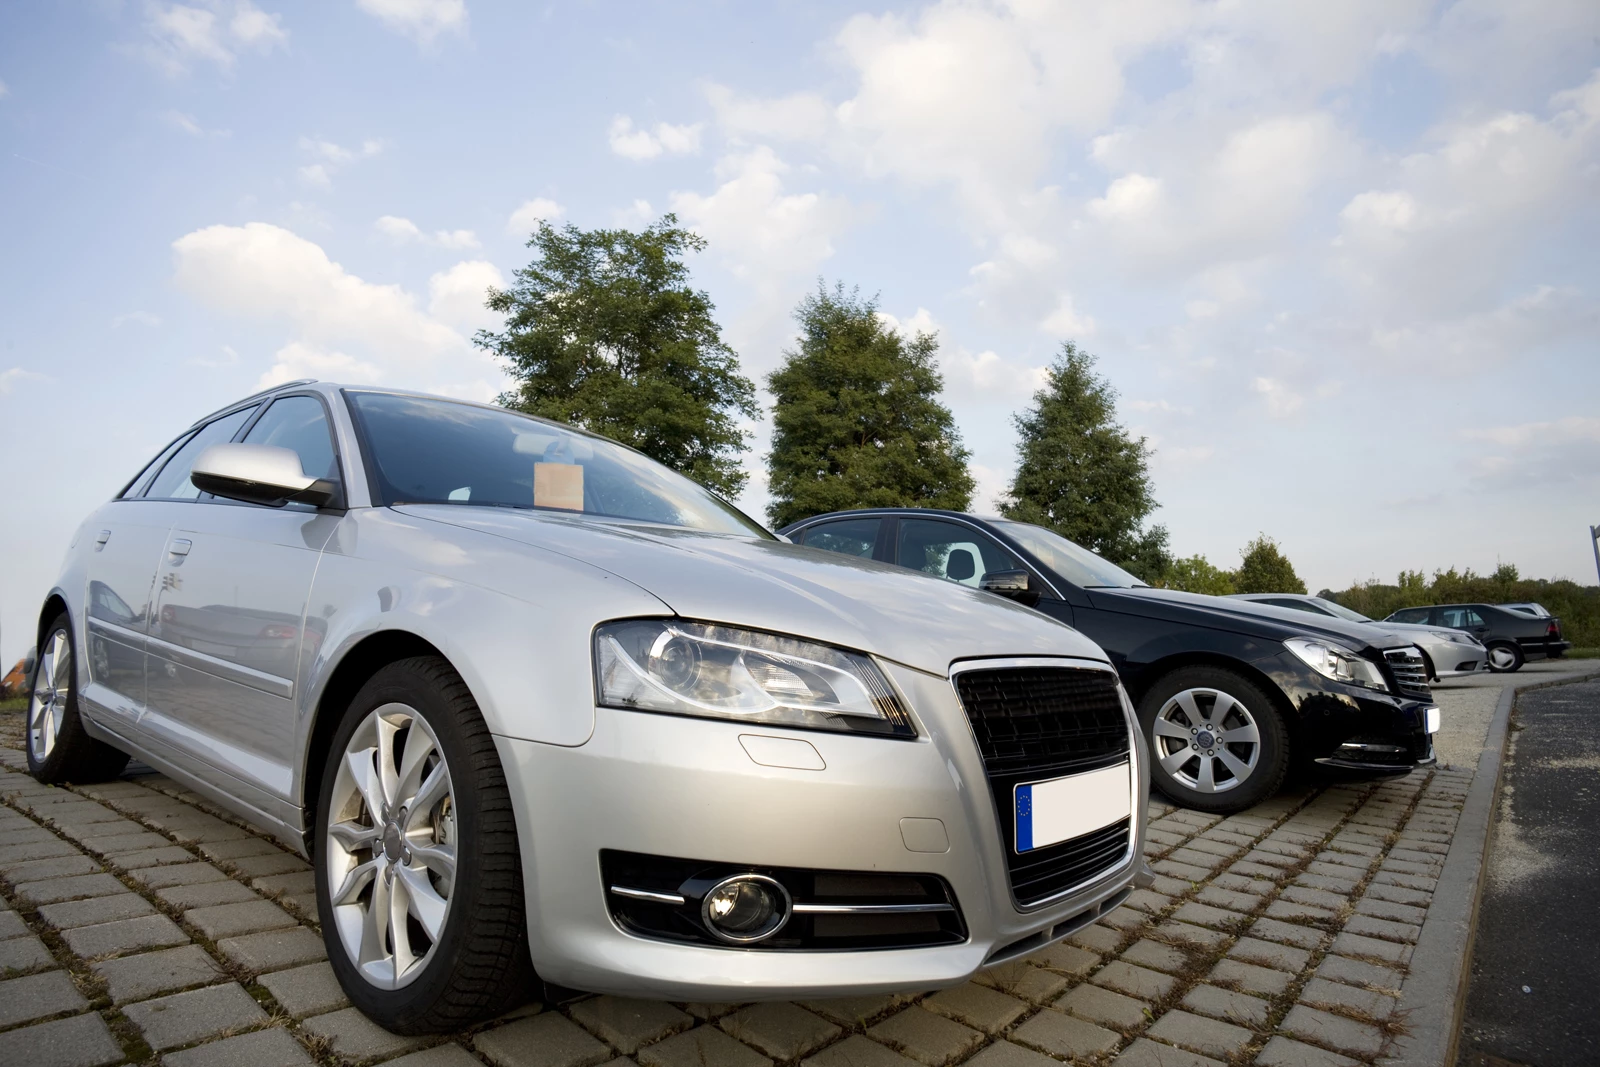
<point>1017,585</point>
<point>259,474</point>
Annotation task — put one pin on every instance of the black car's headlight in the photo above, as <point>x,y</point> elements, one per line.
<point>1337,662</point>
<point>705,669</point>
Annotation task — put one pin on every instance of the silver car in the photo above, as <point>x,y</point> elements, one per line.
<point>539,708</point>
<point>1447,653</point>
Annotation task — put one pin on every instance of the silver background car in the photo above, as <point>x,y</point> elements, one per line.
<point>511,734</point>
<point>1451,653</point>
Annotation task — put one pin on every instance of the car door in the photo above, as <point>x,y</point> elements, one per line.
<point>229,622</point>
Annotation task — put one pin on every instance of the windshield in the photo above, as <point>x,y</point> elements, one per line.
<point>1340,610</point>
<point>426,451</point>
<point>1076,564</point>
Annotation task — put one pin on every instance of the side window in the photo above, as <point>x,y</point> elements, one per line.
<point>849,537</point>
<point>951,551</point>
<point>1411,615</point>
<point>1297,605</point>
<point>173,481</point>
<point>1474,619</point>
<point>137,487</point>
<point>299,424</point>
<point>1453,617</point>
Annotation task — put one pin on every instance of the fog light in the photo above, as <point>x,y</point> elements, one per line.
<point>745,908</point>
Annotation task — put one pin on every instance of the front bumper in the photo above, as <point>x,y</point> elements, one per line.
<point>671,786</point>
<point>1354,729</point>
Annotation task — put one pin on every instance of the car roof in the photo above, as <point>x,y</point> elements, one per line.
<point>944,512</point>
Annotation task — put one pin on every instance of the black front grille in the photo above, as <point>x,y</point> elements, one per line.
<point>1410,672</point>
<point>1038,723</point>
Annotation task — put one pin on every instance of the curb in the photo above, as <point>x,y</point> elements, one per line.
<point>1440,963</point>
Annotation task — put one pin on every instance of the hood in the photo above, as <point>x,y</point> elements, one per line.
<point>1245,616</point>
<point>911,618</point>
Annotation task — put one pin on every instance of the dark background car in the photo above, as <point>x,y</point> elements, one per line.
<point>1229,693</point>
<point>1511,637</point>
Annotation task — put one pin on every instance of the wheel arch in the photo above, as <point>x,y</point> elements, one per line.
<point>54,604</point>
<point>1154,672</point>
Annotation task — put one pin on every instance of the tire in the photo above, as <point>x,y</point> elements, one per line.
<point>465,932</point>
<point>1240,772</point>
<point>59,748</point>
<point>1505,657</point>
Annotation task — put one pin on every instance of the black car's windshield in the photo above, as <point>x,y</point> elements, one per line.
<point>426,451</point>
<point>1076,564</point>
<point>1340,610</point>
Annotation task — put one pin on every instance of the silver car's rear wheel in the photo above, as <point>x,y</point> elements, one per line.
<point>391,846</point>
<point>59,747</point>
<point>52,688</point>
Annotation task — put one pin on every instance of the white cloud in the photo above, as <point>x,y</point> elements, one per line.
<point>15,376</point>
<point>138,318</point>
<point>1281,400</point>
<point>403,231</point>
<point>665,139</point>
<point>1166,407</point>
<point>421,20</point>
<point>802,116</point>
<point>297,360</point>
<point>332,158</point>
<point>457,295</point>
<point>921,321</point>
<point>227,358</point>
<point>526,218</point>
<point>1565,450</point>
<point>191,126</point>
<point>1065,321</point>
<point>638,213</point>
<point>992,375</point>
<point>178,35</point>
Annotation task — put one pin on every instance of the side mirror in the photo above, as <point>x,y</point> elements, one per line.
<point>259,474</point>
<point>1014,584</point>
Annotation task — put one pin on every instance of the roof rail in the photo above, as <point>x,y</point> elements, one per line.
<point>253,396</point>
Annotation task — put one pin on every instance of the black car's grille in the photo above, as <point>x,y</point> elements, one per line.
<point>1037,723</point>
<point>1410,672</point>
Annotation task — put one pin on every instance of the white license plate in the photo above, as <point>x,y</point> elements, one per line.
<point>1063,808</point>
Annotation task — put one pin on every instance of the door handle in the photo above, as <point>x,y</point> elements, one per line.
<point>180,546</point>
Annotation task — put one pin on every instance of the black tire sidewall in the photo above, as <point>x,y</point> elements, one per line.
<point>1517,657</point>
<point>398,684</point>
<point>1271,766</point>
<point>52,767</point>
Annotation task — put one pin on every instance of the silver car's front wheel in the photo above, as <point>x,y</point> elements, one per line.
<point>52,688</point>
<point>391,846</point>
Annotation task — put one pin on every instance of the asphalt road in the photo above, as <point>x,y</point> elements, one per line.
<point>1535,968</point>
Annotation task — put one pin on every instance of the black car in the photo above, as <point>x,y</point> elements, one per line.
<point>1512,637</point>
<point>1228,692</point>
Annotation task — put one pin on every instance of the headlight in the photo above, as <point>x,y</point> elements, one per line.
<point>1456,636</point>
<point>1339,663</point>
<point>696,668</point>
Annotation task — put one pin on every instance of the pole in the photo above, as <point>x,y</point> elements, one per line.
<point>1594,539</point>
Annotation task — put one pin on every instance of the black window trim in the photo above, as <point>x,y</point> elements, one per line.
<point>163,456</point>
<point>191,432</point>
<point>340,501</point>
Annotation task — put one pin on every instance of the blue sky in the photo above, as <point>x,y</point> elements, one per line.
<point>1338,259</point>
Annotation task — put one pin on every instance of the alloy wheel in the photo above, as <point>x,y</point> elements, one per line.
<point>391,846</point>
<point>1206,740</point>
<point>1502,658</point>
<point>52,688</point>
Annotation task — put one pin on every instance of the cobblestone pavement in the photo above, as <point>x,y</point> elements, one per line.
<point>140,924</point>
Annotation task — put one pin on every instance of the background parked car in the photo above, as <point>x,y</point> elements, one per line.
<point>1511,637</point>
<point>1225,689</point>
<point>1538,611</point>
<point>1450,653</point>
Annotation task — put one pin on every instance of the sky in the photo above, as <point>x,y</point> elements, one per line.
<point>1338,259</point>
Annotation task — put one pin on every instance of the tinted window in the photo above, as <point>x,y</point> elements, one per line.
<point>1411,615</point>
<point>1474,619</point>
<point>1076,564</point>
<point>426,451</point>
<point>952,551</point>
<point>299,424</point>
<point>140,483</point>
<point>1298,605</point>
<point>1338,611</point>
<point>1454,617</point>
<point>173,481</point>
<point>850,537</point>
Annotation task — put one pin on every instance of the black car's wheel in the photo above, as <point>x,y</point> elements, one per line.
<point>1505,657</point>
<point>59,748</point>
<point>1217,742</point>
<point>419,881</point>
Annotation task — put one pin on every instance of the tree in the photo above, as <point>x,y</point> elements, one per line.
<point>604,331</point>
<point>1081,475</point>
<point>1266,569</point>
<point>1197,575</point>
<point>857,420</point>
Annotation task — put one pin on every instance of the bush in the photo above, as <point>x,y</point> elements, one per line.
<point>1577,606</point>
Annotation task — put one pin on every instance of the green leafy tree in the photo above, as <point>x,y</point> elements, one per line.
<point>1197,575</point>
<point>1080,474</point>
<point>604,331</point>
<point>1266,569</point>
<point>857,420</point>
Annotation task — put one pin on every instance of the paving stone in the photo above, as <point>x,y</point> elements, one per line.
<point>926,1037</point>
<point>25,834</point>
<point>1200,1034</point>
<point>1147,1053</point>
<point>1063,1035</point>
<point>1343,886</point>
<point>1193,857</point>
<point>1384,909</point>
<point>184,1018</point>
<point>23,954</point>
<point>273,950</point>
<point>1321,993</point>
<point>854,1011</point>
<point>1024,981</point>
<point>73,888</point>
<point>456,1056</point>
<point>246,917</point>
<point>47,847</point>
<point>308,990</point>
<point>1226,1004</point>
<point>1097,938</point>
<point>73,913</point>
<point>11,924</point>
<point>1125,919</point>
<point>150,857</point>
<point>1360,973</point>
<point>1238,883</point>
<point>1156,955</point>
<point>1103,1006</point>
<point>1172,887</point>
<point>1064,957</point>
<point>1270,954</point>
<point>126,842</point>
<point>707,1045</point>
<point>984,1009</point>
<point>1186,872</point>
<point>178,874</point>
<point>271,863</point>
<point>1147,900</point>
<point>206,894</point>
<point>1348,944</point>
<point>1407,881</point>
<point>1250,977</point>
<point>1399,894</point>
<point>273,1047</point>
<point>152,973</point>
<point>710,1012</point>
<point>1138,982</point>
<point>1206,915</point>
<point>1193,935</point>
<point>1332,1031</point>
<point>295,883</point>
<point>550,1040</point>
<point>1252,869</point>
<point>1232,899</point>
<point>1005,1054</point>
<point>1317,898</point>
<point>1286,1052</point>
<point>124,935</point>
<point>1388,930</point>
<point>1287,933</point>
<point>237,848</point>
<point>1291,911</point>
<point>627,1023</point>
<point>81,1041</point>
<point>38,995</point>
<point>357,1037</point>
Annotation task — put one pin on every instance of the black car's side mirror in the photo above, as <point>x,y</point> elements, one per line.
<point>1017,585</point>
